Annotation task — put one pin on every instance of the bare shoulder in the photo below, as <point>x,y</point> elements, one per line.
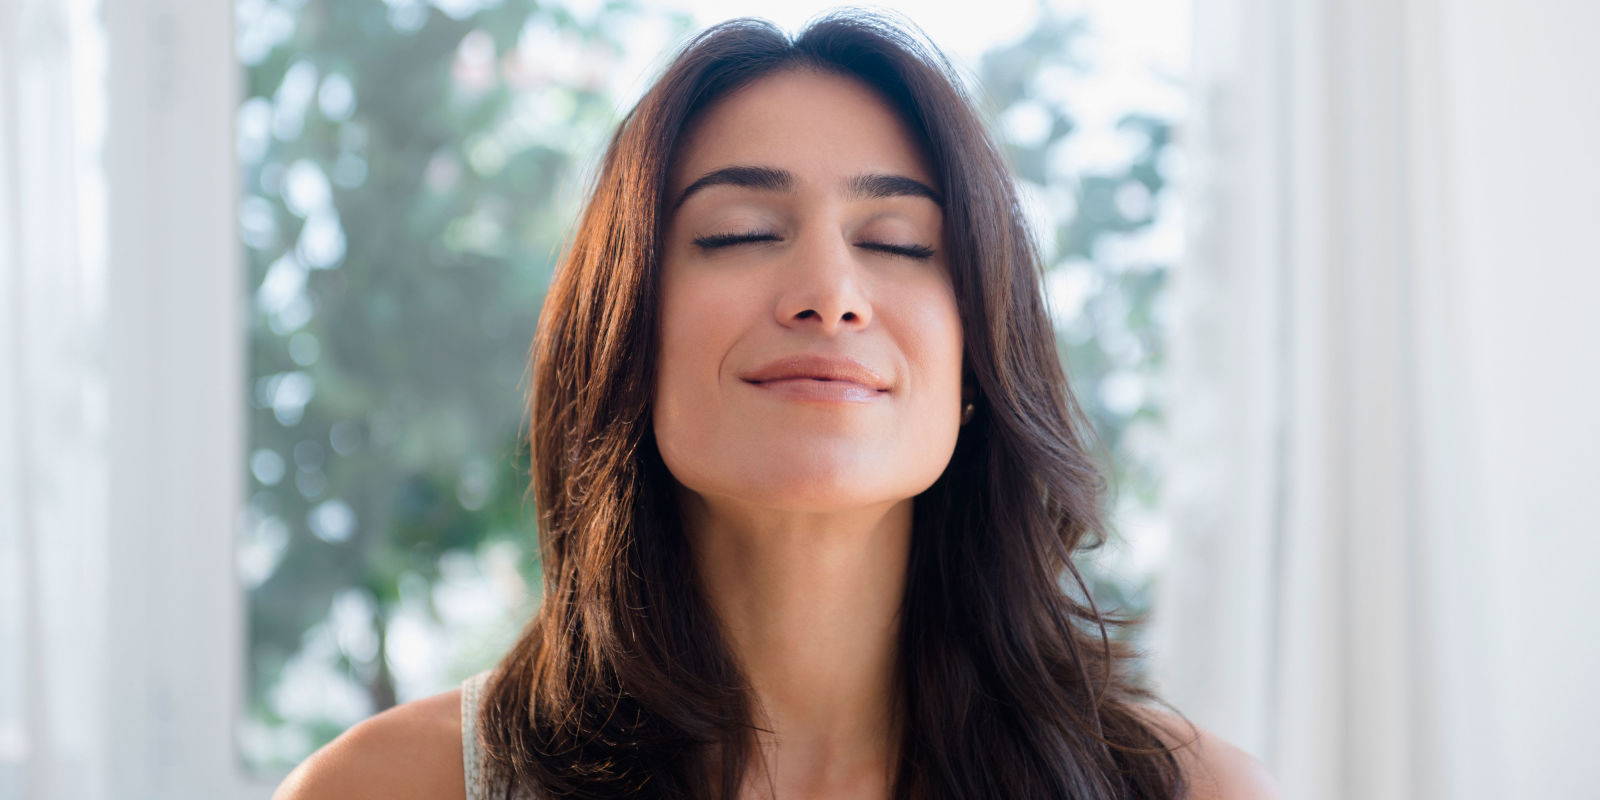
<point>1215,767</point>
<point>410,751</point>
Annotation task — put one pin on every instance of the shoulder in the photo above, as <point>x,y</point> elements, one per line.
<point>410,751</point>
<point>1216,769</point>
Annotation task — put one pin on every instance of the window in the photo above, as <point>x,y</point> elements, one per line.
<point>408,173</point>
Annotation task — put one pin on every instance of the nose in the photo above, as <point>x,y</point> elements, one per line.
<point>822,286</point>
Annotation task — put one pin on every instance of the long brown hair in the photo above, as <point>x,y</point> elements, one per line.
<point>621,684</point>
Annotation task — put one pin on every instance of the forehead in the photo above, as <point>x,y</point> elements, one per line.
<point>821,127</point>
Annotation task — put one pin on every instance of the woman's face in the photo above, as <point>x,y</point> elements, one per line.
<point>814,283</point>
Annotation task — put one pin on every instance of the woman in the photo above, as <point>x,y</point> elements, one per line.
<point>808,473</point>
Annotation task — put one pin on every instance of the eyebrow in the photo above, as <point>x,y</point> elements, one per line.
<point>869,186</point>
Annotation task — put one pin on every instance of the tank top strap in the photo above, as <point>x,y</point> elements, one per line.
<point>479,787</point>
<point>471,753</point>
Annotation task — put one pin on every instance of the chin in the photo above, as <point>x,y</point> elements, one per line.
<point>808,490</point>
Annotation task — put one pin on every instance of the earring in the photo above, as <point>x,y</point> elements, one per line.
<point>966,412</point>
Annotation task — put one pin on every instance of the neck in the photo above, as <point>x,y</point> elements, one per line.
<point>809,603</point>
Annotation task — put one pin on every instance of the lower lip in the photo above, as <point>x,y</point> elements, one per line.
<point>819,390</point>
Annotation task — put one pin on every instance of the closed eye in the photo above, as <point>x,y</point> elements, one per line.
<point>916,251</point>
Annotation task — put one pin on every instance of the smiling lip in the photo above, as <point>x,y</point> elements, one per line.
<point>831,391</point>
<point>816,377</point>
<point>818,367</point>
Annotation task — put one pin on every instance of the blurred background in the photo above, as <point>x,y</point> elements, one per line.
<point>1321,273</point>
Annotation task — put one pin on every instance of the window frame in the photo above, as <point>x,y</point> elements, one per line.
<point>175,338</point>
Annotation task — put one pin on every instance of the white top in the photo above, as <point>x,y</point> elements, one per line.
<point>478,787</point>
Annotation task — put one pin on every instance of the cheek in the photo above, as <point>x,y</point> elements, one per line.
<point>701,315</point>
<point>696,326</point>
<point>932,338</point>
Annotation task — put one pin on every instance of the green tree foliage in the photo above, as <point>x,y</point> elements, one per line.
<point>1111,337</point>
<point>400,217</point>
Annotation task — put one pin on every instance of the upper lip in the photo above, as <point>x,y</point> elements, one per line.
<point>815,365</point>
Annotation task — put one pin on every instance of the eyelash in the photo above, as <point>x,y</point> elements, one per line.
<point>916,251</point>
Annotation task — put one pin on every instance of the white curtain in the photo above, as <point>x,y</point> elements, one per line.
<point>53,504</point>
<point>1357,591</point>
<point>121,370</point>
